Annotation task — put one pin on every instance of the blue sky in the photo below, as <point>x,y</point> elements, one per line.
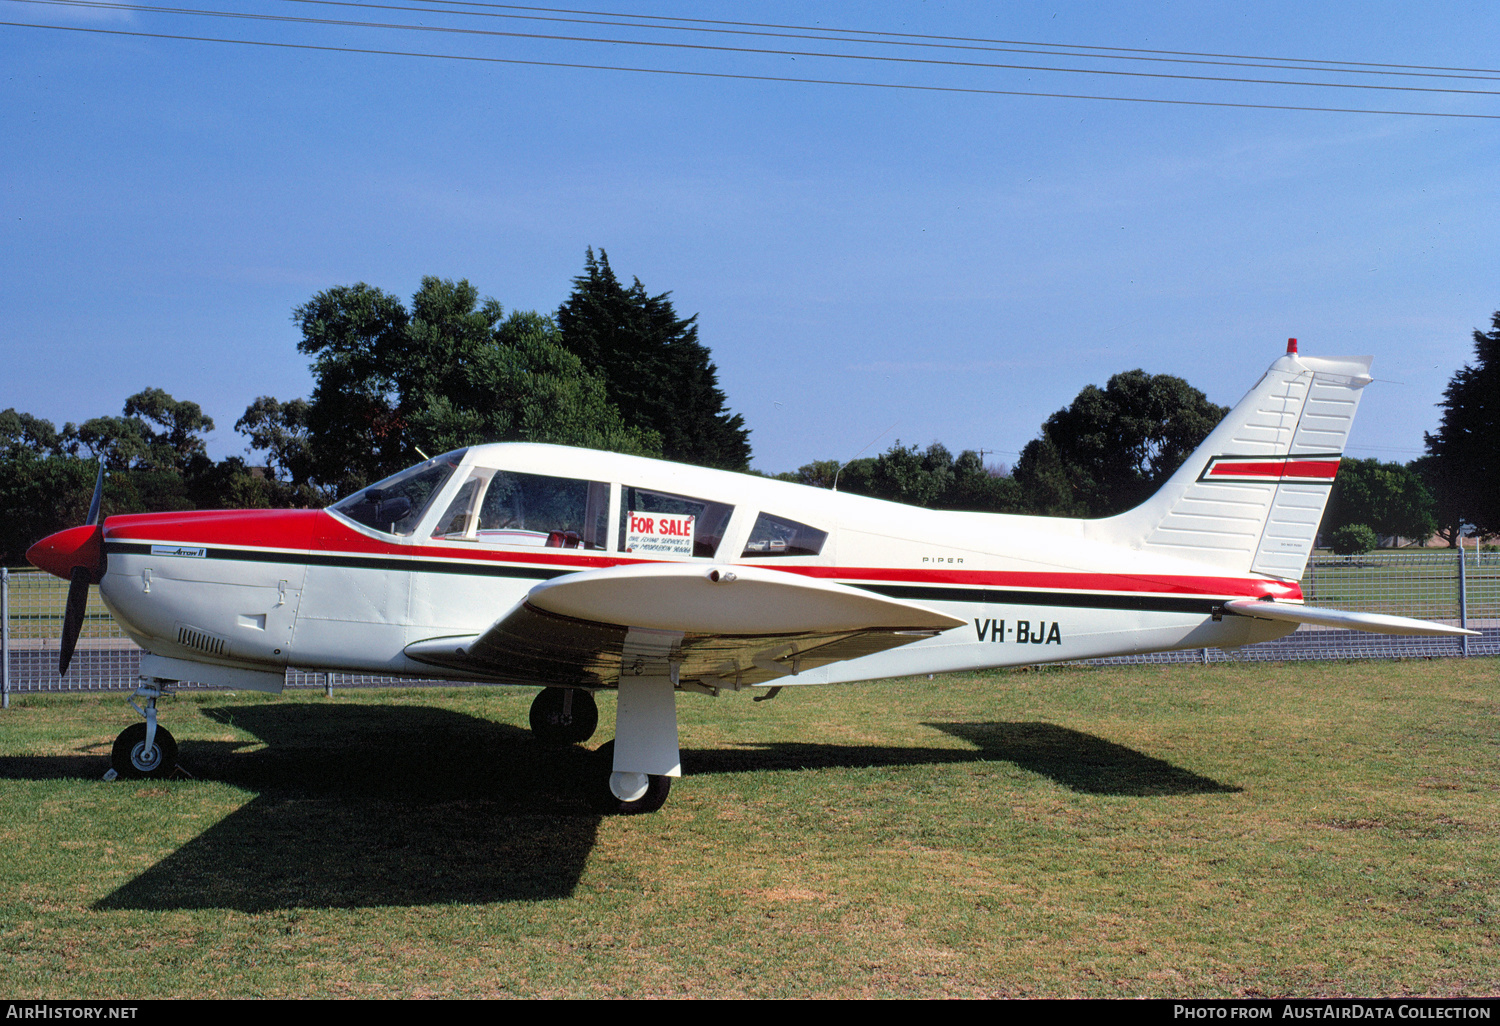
<point>949,266</point>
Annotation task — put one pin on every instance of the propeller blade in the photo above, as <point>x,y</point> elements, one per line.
<point>78,555</point>
<point>98,495</point>
<point>78,601</point>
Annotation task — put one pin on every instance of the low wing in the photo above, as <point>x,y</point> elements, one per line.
<point>1374,623</point>
<point>720,626</point>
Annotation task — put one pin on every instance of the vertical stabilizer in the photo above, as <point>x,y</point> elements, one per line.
<point>1250,498</point>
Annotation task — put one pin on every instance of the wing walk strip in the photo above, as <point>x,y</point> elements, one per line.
<point>916,593</point>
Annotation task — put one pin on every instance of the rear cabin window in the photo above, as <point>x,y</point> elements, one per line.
<point>662,524</point>
<point>778,536</point>
<point>501,507</point>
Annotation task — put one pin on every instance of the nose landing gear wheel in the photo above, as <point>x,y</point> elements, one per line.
<point>132,760</point>
<point>564,716</point>
<point>646,795</point>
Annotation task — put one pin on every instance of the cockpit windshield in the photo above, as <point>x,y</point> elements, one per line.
<point>396,504</point>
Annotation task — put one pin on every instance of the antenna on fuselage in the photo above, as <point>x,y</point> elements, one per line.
<point>861,452</point>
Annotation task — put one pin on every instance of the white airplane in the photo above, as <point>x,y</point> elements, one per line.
<point>580,571</point>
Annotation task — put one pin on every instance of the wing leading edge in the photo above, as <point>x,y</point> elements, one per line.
<point>719,626</point>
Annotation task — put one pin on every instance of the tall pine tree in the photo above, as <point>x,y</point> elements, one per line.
<point>1466,448</point>
<point>655,370</point>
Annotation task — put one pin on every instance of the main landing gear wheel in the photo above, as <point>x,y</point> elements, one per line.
<point>564,716</point>
<point>132,760</point>
<point>644,793</point>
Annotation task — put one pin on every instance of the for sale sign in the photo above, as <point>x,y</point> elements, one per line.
<point>659,534</point>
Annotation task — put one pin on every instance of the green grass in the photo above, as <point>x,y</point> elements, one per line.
<point>1242,829</point>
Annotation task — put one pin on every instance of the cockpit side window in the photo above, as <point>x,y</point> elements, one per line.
<point>503,507</point>
<point>660,523</point>
<point>780,536</point>
<point>396,505</point>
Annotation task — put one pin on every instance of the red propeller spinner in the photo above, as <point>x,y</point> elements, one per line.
<point>77,555</point>
<point>77,548</point>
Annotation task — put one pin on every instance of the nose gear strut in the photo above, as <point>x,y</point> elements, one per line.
<point>144,749</point>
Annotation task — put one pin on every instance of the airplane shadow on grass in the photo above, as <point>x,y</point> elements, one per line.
<point>361,806</point>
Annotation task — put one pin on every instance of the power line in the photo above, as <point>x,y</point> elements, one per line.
<point>759,51</point>
<point>1382,448</point>
<point>1059,50</point>
<point>960,39</point>
<point>745,77</point>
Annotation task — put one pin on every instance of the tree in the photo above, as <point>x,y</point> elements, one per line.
<point>133,443</point>
<point>1114,447</point>
<point>179,443</point>
<point>41,488</point>
<point>155,454</point>
<point>119,441</point>
<point>22,431</point>
<point>1352,540</point>
<point>655,369</point>
<point>41,494</point>
<point>1047,487</point>
<point>278,429</point>
<point>1447,492</point>
<point>356,336</point>
<point>1388,498</point>
<point>817,474</point>
<point>977,488</point>
<point>932,478</point>
<point>451,371</point>
<point>906,474</point>
<point>1466,448</point>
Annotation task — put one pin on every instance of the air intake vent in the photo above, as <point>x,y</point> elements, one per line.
<point>192,637</point>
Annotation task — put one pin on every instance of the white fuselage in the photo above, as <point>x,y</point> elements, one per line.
<point>263,590</point>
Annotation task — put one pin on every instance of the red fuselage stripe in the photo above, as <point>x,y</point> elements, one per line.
<point>315,532</point>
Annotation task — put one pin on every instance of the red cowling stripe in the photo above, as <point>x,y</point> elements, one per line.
<point>253,528</point>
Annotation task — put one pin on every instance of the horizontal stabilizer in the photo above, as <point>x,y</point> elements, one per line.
<point>1374,623</point>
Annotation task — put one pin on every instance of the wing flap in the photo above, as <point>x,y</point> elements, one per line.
<point>1373,623</point>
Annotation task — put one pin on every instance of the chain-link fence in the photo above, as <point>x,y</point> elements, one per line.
<point>1454,587</point>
